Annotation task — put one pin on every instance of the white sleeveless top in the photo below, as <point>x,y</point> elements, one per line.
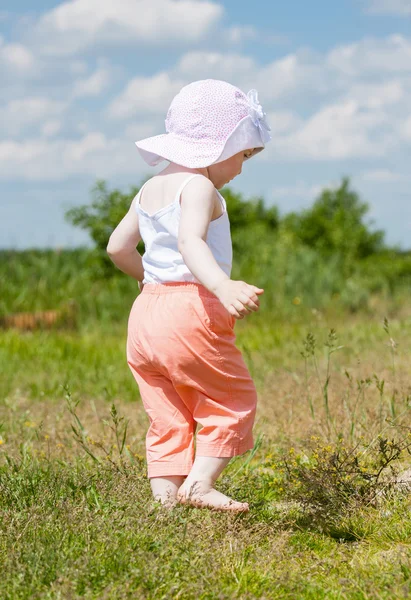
<point>162,260</point>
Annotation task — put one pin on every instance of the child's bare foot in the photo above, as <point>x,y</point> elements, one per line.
<point>165,489</point>
<point>167,502</point>
<point>209,498</point>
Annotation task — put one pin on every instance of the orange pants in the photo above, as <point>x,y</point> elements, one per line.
<point>181,351</point>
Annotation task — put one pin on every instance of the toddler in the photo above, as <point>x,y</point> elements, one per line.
<point>181,344</point>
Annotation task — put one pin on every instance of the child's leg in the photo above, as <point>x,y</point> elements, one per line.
<point>170,438</point>
<point>222,397</point>
<point>198,488</point>
<point>165,488</point>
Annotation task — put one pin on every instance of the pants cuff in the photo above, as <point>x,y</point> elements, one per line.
<point>226,451</point>
<point>168,469</point>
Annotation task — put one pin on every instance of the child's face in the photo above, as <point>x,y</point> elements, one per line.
<point>223,172</point>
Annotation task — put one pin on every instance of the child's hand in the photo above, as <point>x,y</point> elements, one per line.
<point>238,297</point>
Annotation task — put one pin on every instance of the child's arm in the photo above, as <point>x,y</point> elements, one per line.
<point>197,207</point>
<point>122,244</point>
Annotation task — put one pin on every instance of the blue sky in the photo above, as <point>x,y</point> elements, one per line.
<point>82,80</point>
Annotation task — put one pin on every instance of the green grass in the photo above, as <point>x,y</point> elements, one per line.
<point>76,530</point>
<point>77,527</point>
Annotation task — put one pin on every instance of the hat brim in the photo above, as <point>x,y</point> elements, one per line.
<point>168,146</point>
<point>197,154</point>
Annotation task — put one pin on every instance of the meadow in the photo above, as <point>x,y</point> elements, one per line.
<point>327,480</point>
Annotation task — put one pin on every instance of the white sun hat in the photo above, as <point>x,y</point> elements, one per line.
<point>208,121</point>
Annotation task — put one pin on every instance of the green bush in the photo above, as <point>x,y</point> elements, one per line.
<point>99,219</point>
<point>335,224</point>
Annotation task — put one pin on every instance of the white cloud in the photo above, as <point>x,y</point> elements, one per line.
<point>78,24</point>
<point>78,67</point>
<point>82,127</point>
<point>154,94</point>
<point>377,95</point>
<point>325,107</point>
<point>51,128</point>
<point>283,121</point>
<point>363,108</point>
<point>54,160</point>
<point>145,94</point>
<point>25,70</point>
<point>80,149</point>
<point>336,132</point>
<point>276,81</point>
<point>21,114</point>
<point>390,7</point>
<point>92,85</point>
<point>407,129</point>
<point>289,75</point>
<point>372,56</point>
<point>240,33</point>
<point>16,57</point>
<point>201,65</point>
<point>381,176</point>
<point>143,129</point>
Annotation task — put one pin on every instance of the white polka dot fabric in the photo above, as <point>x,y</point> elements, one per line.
<point>202,118</point>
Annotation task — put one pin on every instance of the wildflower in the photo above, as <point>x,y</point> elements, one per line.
<point>46,437</point>
<point>296,301</point>
<point>1,442</point>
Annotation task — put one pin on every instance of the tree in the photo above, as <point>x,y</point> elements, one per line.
<point>335,224</point>
<point>99,219</point>
<point>244,213</point>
